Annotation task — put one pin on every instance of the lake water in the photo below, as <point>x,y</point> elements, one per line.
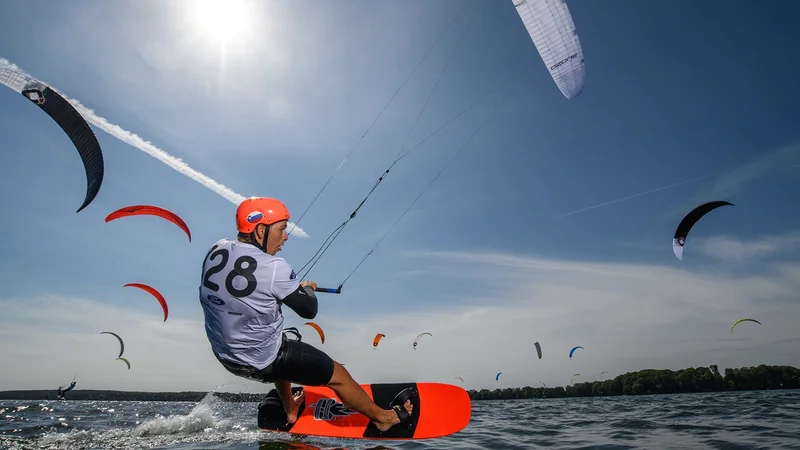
<point>734,420</point>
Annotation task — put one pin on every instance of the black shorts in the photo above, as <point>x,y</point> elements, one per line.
<point>297,362</point>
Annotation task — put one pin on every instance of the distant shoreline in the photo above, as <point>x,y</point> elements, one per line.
<point>656,381</point>
<point>643,382</point>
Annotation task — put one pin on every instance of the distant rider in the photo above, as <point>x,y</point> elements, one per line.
<point>243,288</point>
<point>62,392</point>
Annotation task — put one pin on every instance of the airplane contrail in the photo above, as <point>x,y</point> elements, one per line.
<point>630,197</point>
<point>147,147</point>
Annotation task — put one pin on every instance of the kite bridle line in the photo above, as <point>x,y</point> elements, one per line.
<point>330,239</point>
<point>377,117</point>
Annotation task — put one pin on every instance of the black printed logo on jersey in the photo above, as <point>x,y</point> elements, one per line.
<point>330,409</point>
<point>292,275</point>
<point>215,300</point>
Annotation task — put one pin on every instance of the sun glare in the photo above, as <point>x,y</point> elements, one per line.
<point>221,20</point>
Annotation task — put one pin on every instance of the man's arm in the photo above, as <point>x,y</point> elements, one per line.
<point>302,301</point>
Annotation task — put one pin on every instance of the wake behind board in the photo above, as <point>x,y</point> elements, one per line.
<point>439,410</point>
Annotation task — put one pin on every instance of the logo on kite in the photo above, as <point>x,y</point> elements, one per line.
<point>216,300</point>
<point>34,95</point>
<point>254,216</point>
<point>330,409</point>
<point>560,63</point>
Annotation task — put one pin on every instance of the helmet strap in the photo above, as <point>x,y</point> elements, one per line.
<point>253,238</point>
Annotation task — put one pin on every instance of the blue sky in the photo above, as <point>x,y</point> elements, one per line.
<point>483,261</point>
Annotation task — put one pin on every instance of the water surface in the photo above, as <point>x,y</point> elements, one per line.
<point>734,420</point>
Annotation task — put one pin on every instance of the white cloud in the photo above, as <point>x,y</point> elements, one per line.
<point>730,249</point>
<point>626,316</point>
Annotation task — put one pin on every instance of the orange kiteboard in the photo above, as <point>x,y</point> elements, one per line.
<point>439,410</point>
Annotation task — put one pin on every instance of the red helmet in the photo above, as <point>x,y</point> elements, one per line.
<point>255,210</point>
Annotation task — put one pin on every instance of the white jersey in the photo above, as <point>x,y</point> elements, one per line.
<point>240,293</point>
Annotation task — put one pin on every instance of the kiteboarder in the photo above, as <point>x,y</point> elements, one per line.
<point>62,392</point>
<point>243,288</point>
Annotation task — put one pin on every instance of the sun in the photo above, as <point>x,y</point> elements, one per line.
<point>224,21</point>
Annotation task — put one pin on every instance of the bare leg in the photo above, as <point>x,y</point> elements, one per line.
<point>291,404</point>
<point>356,399</point>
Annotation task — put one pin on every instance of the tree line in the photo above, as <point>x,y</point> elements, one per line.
<point>654,381</point>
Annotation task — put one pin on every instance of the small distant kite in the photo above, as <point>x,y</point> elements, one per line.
<point>573,350</point>
<point>743,320</point>
<point>121,344</point>
<point>377,339</point>
<point>416,340</point>
<point>152,291</point>
<point>149,210</point>
<point>319,330</point>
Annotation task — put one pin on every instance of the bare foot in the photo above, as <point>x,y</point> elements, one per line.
<point>393,418</point>
<point>291,415</point>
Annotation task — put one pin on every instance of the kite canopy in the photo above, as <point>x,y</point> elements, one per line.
<point>377,339</point>
<point>149,210</point>
<point>552,30</point>
<point>679,239</point>
<point>121,344</point>
<point>125,360</point>
<point>743,320</point>
<point>155,294</point>
<point>538,349</point>
<point>69,119</point>
<point>416,340</point>
<point>319,330</point>
<point>573,350</point>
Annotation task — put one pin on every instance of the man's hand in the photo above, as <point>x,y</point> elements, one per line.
<point>310,284</point>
